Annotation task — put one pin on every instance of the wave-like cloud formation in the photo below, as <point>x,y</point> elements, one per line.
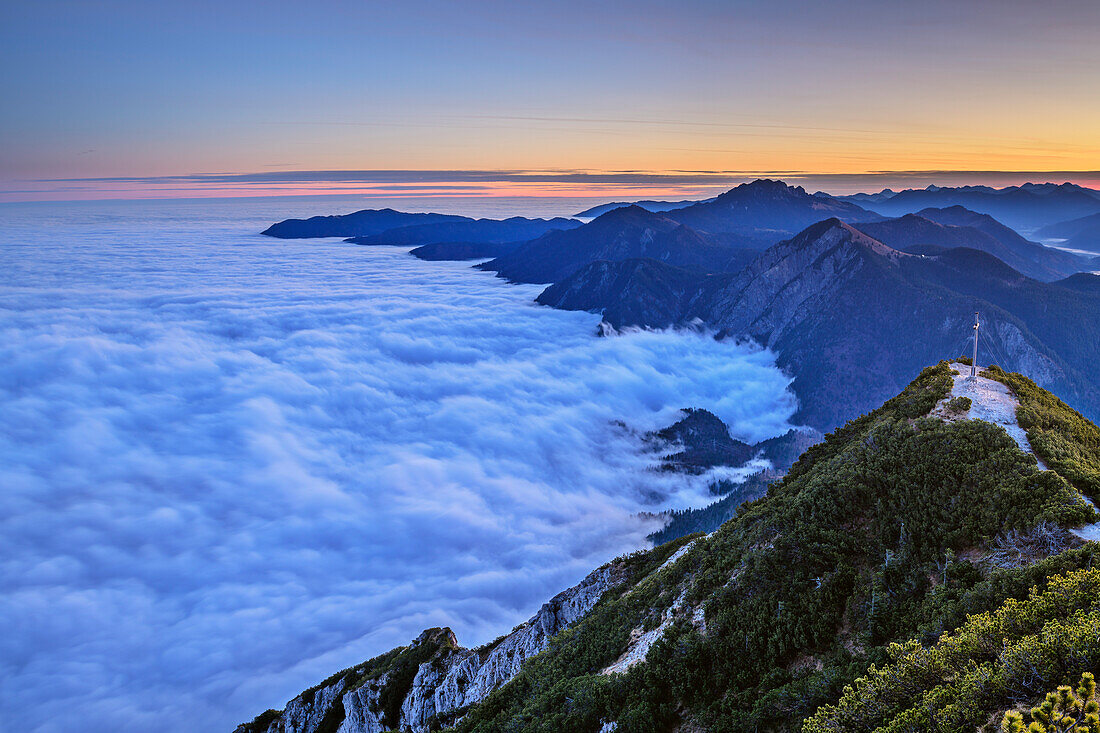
<point>232,465</point>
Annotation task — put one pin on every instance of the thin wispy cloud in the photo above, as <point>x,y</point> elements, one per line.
<point>609,185</point>
<point>686,177</point>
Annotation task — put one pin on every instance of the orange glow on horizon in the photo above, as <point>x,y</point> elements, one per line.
<point>443,188</point>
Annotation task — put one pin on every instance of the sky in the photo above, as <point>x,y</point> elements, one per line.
<point>566,98</point>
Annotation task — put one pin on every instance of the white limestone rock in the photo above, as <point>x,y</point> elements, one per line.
<point>453,678</point>
<point>360,706</point>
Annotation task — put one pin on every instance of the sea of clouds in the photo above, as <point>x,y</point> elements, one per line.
<point>231,465</point>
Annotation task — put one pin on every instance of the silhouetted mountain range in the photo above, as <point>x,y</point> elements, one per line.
<point>386,226</point>
<point>655,206</point>
<point>719,235</point>
<point>767,209</point>
<point>1082,233</point>
<point>360,223</point>
<point>852,302</point>
<point>515,229</point>
<point>464,250</point>
<point>935,229</point>
<point>1024,208</point>
<point>848,316</point>
<point>868,198</point>
<point>619,234</point>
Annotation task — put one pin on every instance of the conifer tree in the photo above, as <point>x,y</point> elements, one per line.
<point>1064,711</point>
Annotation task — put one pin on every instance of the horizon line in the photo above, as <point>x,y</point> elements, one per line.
<point>473,183</point>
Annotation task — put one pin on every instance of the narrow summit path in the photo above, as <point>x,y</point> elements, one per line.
<point>994,402</point>
<point>990,401</point>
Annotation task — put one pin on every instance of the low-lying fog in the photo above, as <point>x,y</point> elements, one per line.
<point>233,465</point>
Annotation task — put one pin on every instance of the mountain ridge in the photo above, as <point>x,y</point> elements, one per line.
<point>359,223</point>
<point>1025,207</point>
<point>1082,233</point>
<point>488,231</point>
<point>767,208</point>
<point>829,301</point>
<point>960,227</point>
<point>622,233</point>
<point>647,204</point>
<point>898,526</point>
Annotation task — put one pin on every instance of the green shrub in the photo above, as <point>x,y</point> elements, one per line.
<point>261,722</point>
<point>958,405</point>
<point>957,684</point>
<point>861,545</point>
<point>1064,711</point>
<point>1060,435</point>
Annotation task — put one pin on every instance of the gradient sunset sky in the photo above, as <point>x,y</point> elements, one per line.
<point>642,98</point>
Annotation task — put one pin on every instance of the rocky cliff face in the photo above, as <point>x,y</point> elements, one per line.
<point>432,681</point>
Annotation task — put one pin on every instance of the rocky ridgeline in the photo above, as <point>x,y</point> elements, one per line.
<point>445,678</point>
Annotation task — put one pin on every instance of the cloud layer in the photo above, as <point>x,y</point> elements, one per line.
<point>601,186</point>
<point>234,465</point>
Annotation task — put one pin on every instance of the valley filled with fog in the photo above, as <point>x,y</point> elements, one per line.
<point>232,464</point>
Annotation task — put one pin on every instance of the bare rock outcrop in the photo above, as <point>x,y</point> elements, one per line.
<point>445,678</point>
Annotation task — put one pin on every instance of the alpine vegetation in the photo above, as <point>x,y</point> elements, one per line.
<point>868,590</point>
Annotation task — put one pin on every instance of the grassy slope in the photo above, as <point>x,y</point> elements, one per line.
<point>969,678</point>
<point>858,547</point>
<point>1015,653</point>
<point>1060,435</point>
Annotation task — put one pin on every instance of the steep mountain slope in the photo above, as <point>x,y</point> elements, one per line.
<point>359,223</point>
<point>972,676</point>
<point>634,292</point>
<point>968,679</point>
<point>1064,262</point>
<point>514,229</point>
<point>766,209</point>
<point>957,227</point>
<point>1083,233</point>
<point>895,528</point>
<point>841,310</point>
<point>432,681</point>
<point>620,234</point>
<point>1023,208</point>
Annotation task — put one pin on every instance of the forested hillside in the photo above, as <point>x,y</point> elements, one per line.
<point>831,601</point>
<point>876,536</point>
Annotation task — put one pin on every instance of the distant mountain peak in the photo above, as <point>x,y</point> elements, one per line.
<point>954,209</point>
<point>623,212</point>
<point>832,232</point>
<point>635,216</point>
<point>766,186</point>
<point>1025,208</point>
